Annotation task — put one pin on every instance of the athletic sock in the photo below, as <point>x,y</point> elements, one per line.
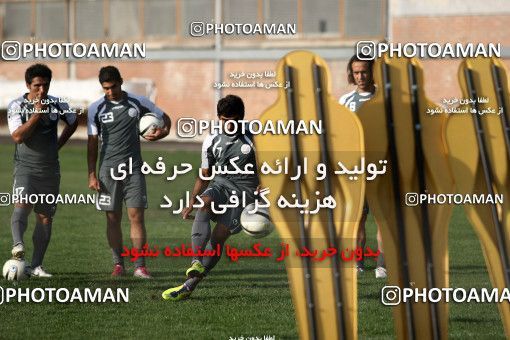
<point>200,232</point>
<point>41,239</point>
<point>211,261</point>
<point>380,260</point>
<point>19,221</point>
<point>117,257</point>
<point>192,283</point>
<point>140,262</point>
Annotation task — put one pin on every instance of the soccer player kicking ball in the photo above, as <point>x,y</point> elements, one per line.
<point>217,151</point>
<point>33,119</point>
<point>115,118</point>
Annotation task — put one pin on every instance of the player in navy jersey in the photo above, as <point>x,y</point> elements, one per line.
<point>217,151</point>
<point>115,120</point>
<point>33,119</point>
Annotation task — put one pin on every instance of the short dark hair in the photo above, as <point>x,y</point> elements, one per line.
<point>37,70</point>
<point>109,74</point>
<point>230,106</point>
<point>361,58</point>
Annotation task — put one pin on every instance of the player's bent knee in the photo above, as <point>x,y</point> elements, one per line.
<point>43,219</point>
<point>114,216</point>
<point>136,215</point>
<point>220,233</point>
<point>207,203</point>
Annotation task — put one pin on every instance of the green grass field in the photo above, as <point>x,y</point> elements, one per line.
<point>249,298</point>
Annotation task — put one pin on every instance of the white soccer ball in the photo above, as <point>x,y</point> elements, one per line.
<point>258,224</point>
<point>14,270</point>
<point>149,122</point>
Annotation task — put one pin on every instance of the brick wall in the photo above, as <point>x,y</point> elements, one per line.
<point>441,75</point>
<point>185,88</point>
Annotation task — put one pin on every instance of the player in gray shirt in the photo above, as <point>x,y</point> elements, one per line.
<point>217,151</point>
<point>33,119</point>
<point>115,120</point>
<point>359,73</point>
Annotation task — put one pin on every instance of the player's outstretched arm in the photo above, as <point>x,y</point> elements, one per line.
<point>67,133</point>
<point>162,132</point>
<point>198,188</point>
<point>91,161</point>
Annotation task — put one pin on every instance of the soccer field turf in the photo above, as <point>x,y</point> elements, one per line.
<point>248,298</point>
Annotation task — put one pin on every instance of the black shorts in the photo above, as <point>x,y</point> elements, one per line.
<point>25,185</point>
<point>112,193</point>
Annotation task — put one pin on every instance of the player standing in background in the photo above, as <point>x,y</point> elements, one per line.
<point>217,151</point>
<point>359,73</point>
<point>33,119</point>
<point>115,118</point>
